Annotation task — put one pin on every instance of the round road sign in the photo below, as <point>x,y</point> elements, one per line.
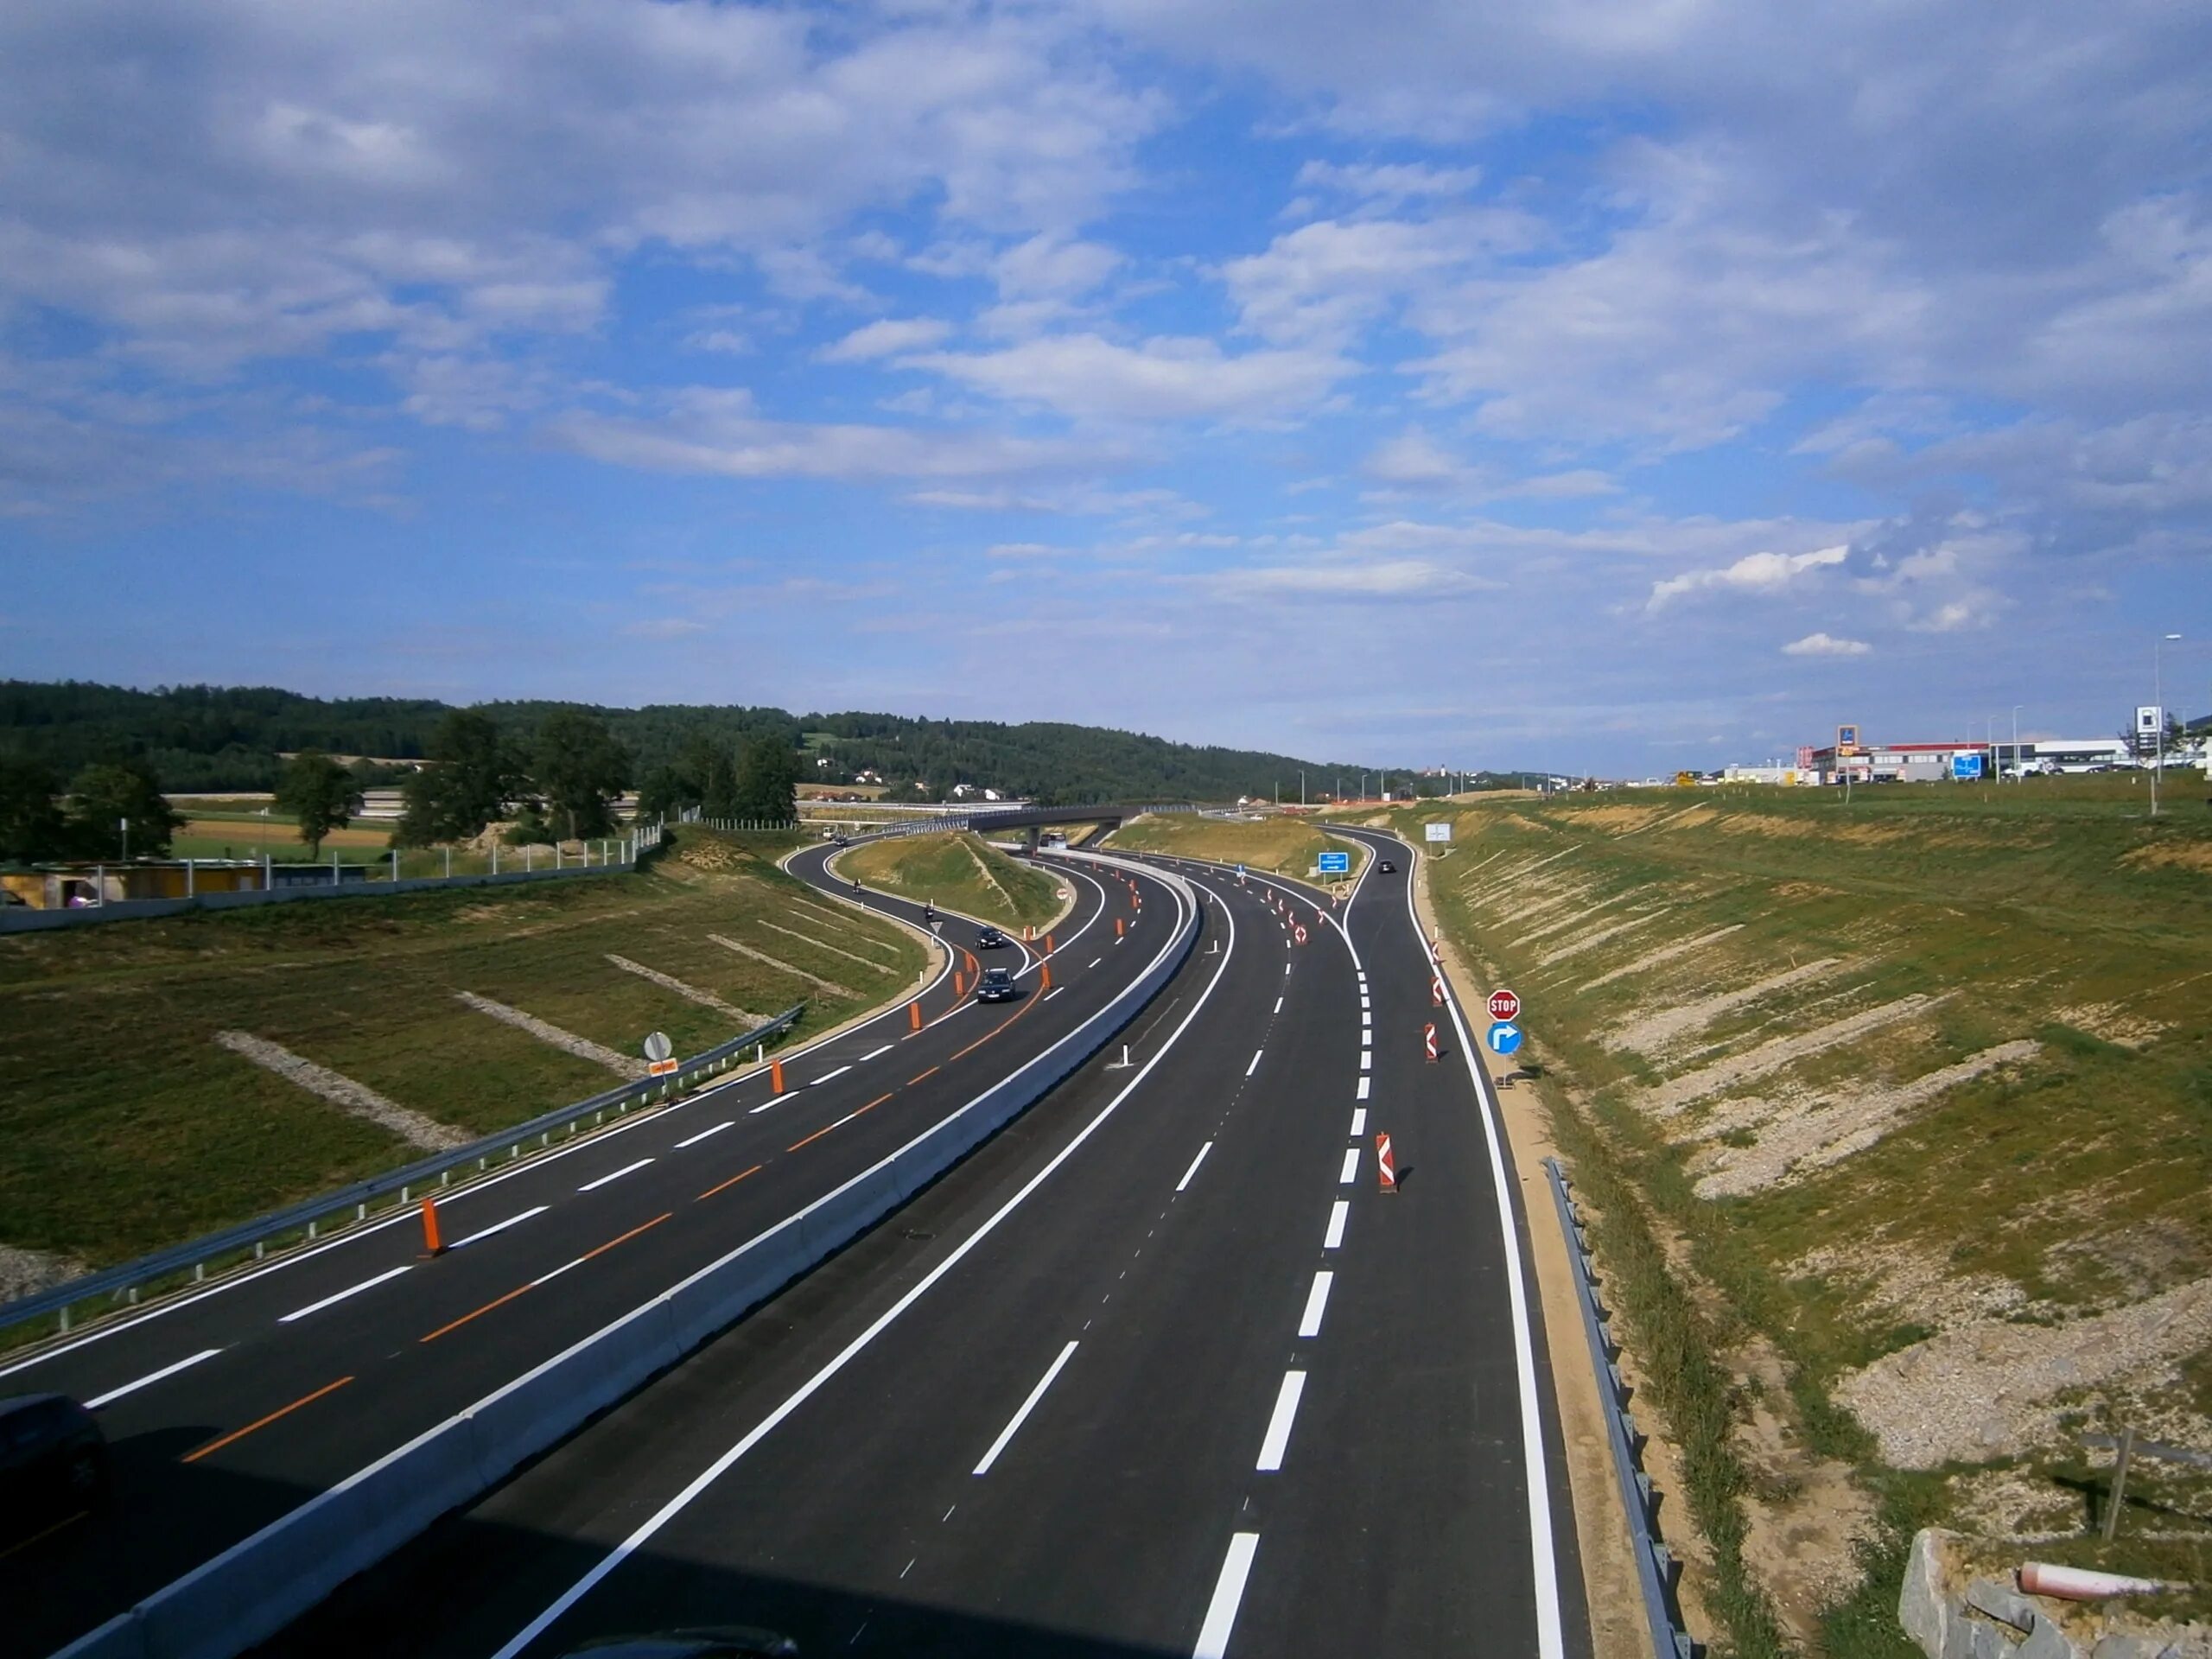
<point>1504,1005</point>
<point>658,1047</point>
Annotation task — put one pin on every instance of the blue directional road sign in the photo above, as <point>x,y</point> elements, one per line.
<point>1965,768</point>
<point>1336,863</point>
<point>1504,1036</point>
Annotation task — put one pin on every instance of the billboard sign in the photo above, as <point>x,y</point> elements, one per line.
<point>2150,721</point>
<point>1847,738</point>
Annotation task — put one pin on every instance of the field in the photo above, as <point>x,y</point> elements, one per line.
<point>1281,846</point>
<point>1897,1115</point>
<point>958,872</point>
<point>128,1127</point>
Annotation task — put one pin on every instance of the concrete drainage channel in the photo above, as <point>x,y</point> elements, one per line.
<point>1656,1570</point>
<point>256,1587</point>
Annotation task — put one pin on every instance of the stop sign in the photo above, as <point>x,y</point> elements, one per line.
<point>1504,1005</point>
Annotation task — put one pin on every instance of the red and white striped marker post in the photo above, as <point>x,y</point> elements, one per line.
<point>1302,936</point>
<point>1386,1165</point>
<point>1428,1042</point>
<point>1436,991</point>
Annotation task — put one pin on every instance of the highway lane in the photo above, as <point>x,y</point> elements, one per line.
<point>1170,1375</point>
<point>230,1407</point>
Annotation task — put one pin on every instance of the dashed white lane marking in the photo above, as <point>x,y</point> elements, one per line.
<point>1193,1169</point>
<point>1365,1018</point>
<point>1095,961</point>
<point>1367,1037</point>
<point>1358,1121</point>
<point>706,1133</point>
<point>1337,1212</point>
<point>1367,1059</point>
<point>1366,1002</point>
<point>1364,1081</point>
<point>1228,1595</point>
<point>1277,1440</point>
<point>1350,1171</point>
<point>1317,1301</point>
<point>872,1052</point>
<point>826,1076</point>
<point>1254,1066</point>
<point>112,1395</point>
<point>500,1226</point>
<point>1028,1406</point>
<point>1278,1005</point>
<point>332,1301</point>
<point>1054,992</point>
<point>626,1169</point>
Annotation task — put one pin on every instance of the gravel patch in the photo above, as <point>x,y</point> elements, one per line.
<point>824,944</point>
<point>1793,1144</point>
<point>356,1099</point>
<point>1984,1391</point>
<point>1655,1032</point>
<point>689,993</point>
<point>1576,946</point>
<point>1673,1096</point>
<point>781,966</point>
<point>582,1048</point>
<point>25,1272</point>
<point>1665,953</point>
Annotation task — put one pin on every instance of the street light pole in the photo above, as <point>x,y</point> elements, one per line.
<point>2158,698</point>
<point>2016,742</point>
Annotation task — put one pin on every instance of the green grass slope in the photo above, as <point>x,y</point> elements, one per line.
<point>1281,846</point>
<point>958,872</point>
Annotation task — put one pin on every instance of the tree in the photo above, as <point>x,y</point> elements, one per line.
<point>767,782</point>
<point>319,793</point>
<point>578,767</point>
<point>107,794</point>
<point>472,775</point>
<point>720,799</point>
<point>31,824</point>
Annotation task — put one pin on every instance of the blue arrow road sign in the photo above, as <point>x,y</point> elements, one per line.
<point>1504,1036</point>
<point>1336,863</point>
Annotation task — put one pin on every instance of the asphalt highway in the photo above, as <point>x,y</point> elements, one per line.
<point>229,1406</point>
<point>1160,1370</point>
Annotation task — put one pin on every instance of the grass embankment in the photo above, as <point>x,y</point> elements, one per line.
<point>1897,1117</point>
<point>1281,846</point>
<point>126,1127</point>
<point>955,871</point>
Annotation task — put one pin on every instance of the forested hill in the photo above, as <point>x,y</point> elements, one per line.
<point>221,737</point>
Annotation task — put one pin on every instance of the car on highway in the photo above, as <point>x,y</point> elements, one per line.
<point>731,1642</point>
<point>988,938</point>
<point>1384,867</point>
<point>996,986</point>
<point>53,1465</point>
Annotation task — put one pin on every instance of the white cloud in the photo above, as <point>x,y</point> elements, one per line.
<point>1404,182</point>
<point>1165,378</point>
<point>1823,644</point>
<point>1402,580</point>
<point>883,338</point>
<point>1755,573</point>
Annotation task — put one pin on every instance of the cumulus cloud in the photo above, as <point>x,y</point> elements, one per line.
<point>885,339</point>
<point>1755,573</point>
<point>1824,645</point>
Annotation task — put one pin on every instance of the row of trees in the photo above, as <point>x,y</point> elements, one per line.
<point>107,806</point>
<point>760,783</point>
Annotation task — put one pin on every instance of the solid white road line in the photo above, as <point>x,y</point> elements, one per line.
<point>1364,1081</point>
<point>1317,1300</point>
<point>100,1400</point>
<point>1337,1212</point>
<point>626,1169</point>
<point>1358,1121</point>
<point>332,1301</point>
<point>705,1134</point>
<point>501,1226</point>
<point>1254,1066</point>
<point>1193,1169</point>
<point>646,1530</point>
<point>872,1052</point>
<point>826,1076</point>
<point>1228,1594</point>
<point>1277,1439</point>
<point>1028,1406</point>
<point>1351,1167</point>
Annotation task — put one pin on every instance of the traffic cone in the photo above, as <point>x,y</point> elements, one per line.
<point>915,1016</point>
<point>433,1242</point>
<point>776,1076</point>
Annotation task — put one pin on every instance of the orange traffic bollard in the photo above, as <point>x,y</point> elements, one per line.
<point>1386,1164</point>
<point>970,956</point>
<point>1135,903</point>
<point>432,1241</point>
<point>1044,975</point>
<point>1048,944</point>
<point>959,988</point>
<point>1117,927</point>
<point>776,1076</point>
<point>915,1016</point>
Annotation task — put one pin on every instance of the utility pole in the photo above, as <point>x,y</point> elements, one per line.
<point>125,823</point>
<point>1302,785</point>
<point>2016,742</point>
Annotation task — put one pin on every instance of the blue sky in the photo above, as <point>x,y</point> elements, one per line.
<point>1618,386</point>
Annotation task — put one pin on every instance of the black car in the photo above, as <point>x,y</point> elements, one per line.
<point>53,1465</point>
<point>733,1642</point>
<point>1386,867</point>
<point>996,986</point>
<point>988,938</point>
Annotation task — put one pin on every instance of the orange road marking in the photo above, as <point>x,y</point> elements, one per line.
<point>841,1123</point>
<point>932,1072</point>
<point>496,1301</point>
<point>501,1301</point>
<point>733,1181</point>
<point>218,1443</point>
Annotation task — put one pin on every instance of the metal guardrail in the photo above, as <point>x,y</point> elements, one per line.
<point>306,1218</point>
<point>1656,1570</point>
